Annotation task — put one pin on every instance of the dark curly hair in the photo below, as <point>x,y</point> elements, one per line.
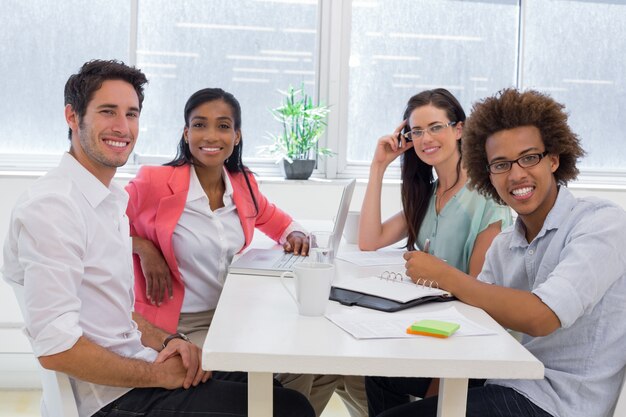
<point>509,109</point>
<point>80,87</point>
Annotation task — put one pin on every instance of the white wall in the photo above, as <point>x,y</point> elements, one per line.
<point>311,200</point>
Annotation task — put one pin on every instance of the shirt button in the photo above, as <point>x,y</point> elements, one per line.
<point>530,252</point>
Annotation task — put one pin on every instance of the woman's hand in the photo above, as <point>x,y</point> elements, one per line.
<point>388,148</point>
<point>155,270</point>
<point>297,243</point>
<point>424,266</point>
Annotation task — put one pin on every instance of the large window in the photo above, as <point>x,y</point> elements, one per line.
<point>574,50</point>
<point>41,43</point>
<point>401,47</point>
<point>250,48</point>
<point>570,49</point>
<point>364,58</point>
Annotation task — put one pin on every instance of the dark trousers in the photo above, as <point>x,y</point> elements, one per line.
<point>224,395</point>
<point>390,397</point>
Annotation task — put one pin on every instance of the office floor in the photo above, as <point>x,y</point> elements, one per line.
<point>26,404</point>
<point>19,403</point>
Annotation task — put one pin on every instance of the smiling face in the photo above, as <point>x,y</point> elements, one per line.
<point>211,133</point>
<point>530,191</point>
<point>440,148</point>
<point>104,137</point>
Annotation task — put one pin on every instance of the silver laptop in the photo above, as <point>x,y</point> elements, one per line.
<point>276,261</point>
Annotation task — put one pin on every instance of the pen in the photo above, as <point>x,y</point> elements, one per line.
<point>426,246</point>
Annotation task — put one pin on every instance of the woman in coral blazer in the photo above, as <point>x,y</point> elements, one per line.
<point>189,217</point>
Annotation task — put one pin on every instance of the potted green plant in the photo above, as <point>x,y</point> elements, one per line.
<point>303,123</point>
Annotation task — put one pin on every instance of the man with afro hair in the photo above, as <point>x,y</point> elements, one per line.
<point>558,275</point>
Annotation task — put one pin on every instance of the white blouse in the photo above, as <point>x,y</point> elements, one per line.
<point>205,242</point>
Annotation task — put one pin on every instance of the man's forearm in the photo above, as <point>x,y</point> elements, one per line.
<point>151,335</point>
<point>90,362</point>
<point>512,308</point>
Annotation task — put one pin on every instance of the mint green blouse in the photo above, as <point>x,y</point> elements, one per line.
<point>453,232</point>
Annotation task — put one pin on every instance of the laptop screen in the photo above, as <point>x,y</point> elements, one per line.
<point>342,214</point>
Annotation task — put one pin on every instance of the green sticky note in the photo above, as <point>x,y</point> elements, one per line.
<point>435,327</point>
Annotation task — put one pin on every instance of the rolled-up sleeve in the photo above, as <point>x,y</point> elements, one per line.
<point>293,227</point>
<point>50,256</point>
<point>579,281</point>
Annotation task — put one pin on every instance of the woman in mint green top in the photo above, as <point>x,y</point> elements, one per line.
<point>452,233</point>
<point>459,223</point>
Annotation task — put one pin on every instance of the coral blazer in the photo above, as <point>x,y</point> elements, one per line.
<point>157,198</point>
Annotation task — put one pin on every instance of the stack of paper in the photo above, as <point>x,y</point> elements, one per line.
<point>387,326</point>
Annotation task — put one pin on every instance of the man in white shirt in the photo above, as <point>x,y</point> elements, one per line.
<point>69,247</point>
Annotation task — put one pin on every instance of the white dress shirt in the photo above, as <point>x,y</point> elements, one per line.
<point>205,242</point>
<point>69,246</point>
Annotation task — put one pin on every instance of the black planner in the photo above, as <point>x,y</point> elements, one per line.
<point>354,298</point>
<point>387,294</point>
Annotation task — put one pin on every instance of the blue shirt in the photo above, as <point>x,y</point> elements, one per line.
<point>452,232</point>
<point>577,266</point>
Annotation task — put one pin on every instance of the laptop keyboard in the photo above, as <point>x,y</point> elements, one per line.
<point>287,261</point>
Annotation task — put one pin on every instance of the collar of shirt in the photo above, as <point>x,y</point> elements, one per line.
<point>94,191</point>
<point>195,188</point>
<point>557,215</point>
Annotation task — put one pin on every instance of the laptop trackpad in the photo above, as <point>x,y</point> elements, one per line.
<point>265,256</point>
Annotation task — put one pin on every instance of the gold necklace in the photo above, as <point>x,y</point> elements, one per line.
<point>439,196</point>
<point>438,199</point>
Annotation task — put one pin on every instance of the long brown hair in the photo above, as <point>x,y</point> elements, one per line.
<point>417,176</point>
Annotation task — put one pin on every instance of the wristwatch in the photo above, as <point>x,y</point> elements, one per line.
<point>175,336</point>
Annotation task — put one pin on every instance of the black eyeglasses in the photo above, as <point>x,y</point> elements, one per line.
<point>526,161</point>
<point>434,130</point>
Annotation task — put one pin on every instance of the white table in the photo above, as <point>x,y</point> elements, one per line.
<point>257,329</point>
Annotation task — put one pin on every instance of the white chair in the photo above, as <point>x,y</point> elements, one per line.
<point>57,397</point>
<point>620,405</point>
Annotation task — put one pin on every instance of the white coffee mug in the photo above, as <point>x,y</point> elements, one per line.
<point>312,281</point>
<point>351,229</point>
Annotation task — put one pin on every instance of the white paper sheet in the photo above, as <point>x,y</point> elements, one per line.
<point>374,258</point>
<point>390,326</point>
